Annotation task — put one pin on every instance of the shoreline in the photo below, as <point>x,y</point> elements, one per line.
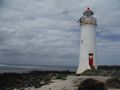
<point>46,80</point>
<point>71,83</point>
<point>34,78</point>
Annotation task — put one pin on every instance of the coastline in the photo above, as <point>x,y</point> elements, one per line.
<point>46,80</point>
<point>71,83</point>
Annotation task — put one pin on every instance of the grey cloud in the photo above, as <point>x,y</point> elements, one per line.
<point>47,32</point>
<point>1,3</point>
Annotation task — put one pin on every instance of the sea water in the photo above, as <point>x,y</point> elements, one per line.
<point>21,69</point>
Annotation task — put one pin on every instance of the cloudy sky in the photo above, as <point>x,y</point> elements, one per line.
<point>46,32</point>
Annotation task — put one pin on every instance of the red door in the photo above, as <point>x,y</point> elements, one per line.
<point>90,58</point>
<point>91,61</point>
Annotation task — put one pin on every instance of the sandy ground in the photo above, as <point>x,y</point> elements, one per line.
<point>70,83</point>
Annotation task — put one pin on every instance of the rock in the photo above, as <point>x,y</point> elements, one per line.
<point>113,83</point>
<point>91,84</point>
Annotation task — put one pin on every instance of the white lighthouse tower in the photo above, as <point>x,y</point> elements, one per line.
<point>87,41</point>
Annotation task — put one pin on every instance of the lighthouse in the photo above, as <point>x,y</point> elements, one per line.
<point>87,41</point>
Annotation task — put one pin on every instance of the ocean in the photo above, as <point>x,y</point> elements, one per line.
<point>21,69</point>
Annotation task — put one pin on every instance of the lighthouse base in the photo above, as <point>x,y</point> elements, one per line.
<point>82,69</point>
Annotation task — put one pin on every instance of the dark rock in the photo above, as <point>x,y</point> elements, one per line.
<point>91,84</point>
<point>113,82</point>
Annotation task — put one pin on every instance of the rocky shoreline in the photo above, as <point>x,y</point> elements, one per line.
<point>52,80</point>
<point>71,83</point>
<point>36,79</point>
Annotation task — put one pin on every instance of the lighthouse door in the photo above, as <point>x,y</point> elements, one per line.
<point>91,61</point>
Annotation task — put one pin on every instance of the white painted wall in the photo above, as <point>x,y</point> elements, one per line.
<point>87,45</point>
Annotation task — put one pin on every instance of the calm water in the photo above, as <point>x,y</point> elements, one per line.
<point>10,68</point>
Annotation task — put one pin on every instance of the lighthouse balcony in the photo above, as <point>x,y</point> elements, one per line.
<point>88,20</point>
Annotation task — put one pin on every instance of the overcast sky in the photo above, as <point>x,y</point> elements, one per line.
<point>46,32</point>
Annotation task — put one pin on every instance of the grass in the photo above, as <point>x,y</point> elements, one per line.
<point>61,76</point>
<point>101,73</point>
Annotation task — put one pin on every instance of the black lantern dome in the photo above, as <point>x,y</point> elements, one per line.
<point>88,12</point>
